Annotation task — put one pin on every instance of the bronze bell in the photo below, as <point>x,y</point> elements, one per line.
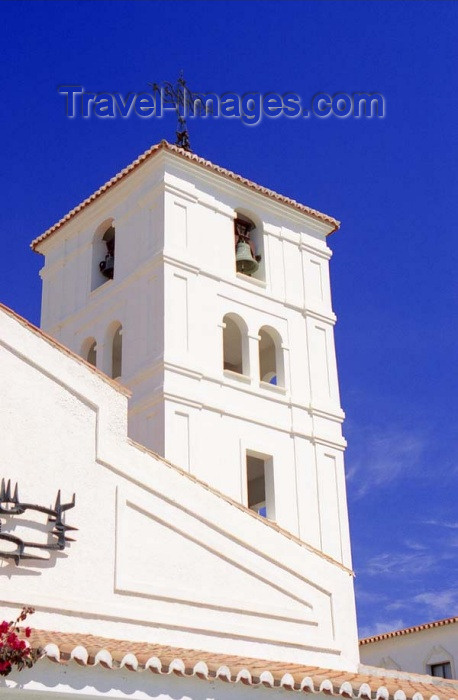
<point>107,266</point>
<point>244,260</point>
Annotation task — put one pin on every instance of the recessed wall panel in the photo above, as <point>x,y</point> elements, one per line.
<point>328,498</point>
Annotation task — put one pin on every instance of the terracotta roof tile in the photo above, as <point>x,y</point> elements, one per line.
<point>90,650</point>
<point>192,157</point>
<point>408,630</point>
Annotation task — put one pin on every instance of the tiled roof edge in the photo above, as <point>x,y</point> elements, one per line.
<point>282,199</point>
<point>275,675</point>
<point>408,630</point>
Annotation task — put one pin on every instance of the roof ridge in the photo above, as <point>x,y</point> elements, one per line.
<point>193,157</point>
<point>408,630</point>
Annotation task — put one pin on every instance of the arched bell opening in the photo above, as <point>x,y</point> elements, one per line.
<point>103,253</point>
<point>249,247</point>
<point>235,345</point>
<point>271,365</point>
<point>89,351</point>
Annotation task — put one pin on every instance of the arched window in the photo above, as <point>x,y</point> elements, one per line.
<point>249,247</point>
<point>89,351</point>
<point>116,353</point>
<point>235,344</point>
<point>271,369</point>
<point>112,356</point>
<point>103,253</point>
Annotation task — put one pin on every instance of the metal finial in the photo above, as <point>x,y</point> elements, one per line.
<point>185,103</point>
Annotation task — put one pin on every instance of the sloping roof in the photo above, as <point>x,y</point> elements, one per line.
<point>88,650</point>
<point>265,521</point>
<point>409,630</point>
<point>62,348</point>
<point>126,392</point>
<point>192,157</point>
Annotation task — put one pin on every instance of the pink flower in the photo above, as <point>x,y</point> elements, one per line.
<point>14,650</point>
<point>5,668</point>
<point>11,640</point>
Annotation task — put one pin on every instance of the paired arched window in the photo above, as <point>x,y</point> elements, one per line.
<point>271,368</point>
<point>112,353</point>
<point>103,253</point>
<point>236,351</point>
<point>235,344</point>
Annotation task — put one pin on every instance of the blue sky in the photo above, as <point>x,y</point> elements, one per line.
<point>393,182</point>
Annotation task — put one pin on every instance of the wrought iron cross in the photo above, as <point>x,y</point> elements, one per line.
<point>185,103</point>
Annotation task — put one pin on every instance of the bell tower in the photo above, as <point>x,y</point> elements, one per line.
<point>208,296</point>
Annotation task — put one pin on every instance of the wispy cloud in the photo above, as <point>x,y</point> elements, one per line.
<point>442,523</point>
<point>401,563</point>
<point>381,627</point>
<point>416,546</point>
<point>351,472</point>
<point>383,456</point>
<point>364,596</point>
<point>443,602</point>
<point>433,604</point>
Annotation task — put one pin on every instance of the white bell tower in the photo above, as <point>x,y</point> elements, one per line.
<point>209,297</point>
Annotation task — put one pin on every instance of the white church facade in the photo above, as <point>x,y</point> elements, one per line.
<point>184,388</point>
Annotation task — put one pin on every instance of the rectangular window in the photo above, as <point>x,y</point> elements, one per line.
<point>443,670</point>
<point>260,488</point>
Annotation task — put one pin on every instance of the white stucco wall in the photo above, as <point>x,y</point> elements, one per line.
<point>415,652</point>
<point>174,281</point>
<point>158,557</point>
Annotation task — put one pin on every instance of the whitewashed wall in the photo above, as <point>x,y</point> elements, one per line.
<point>415,652</point>
<point>174,281</point>
<point>158,557</point>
